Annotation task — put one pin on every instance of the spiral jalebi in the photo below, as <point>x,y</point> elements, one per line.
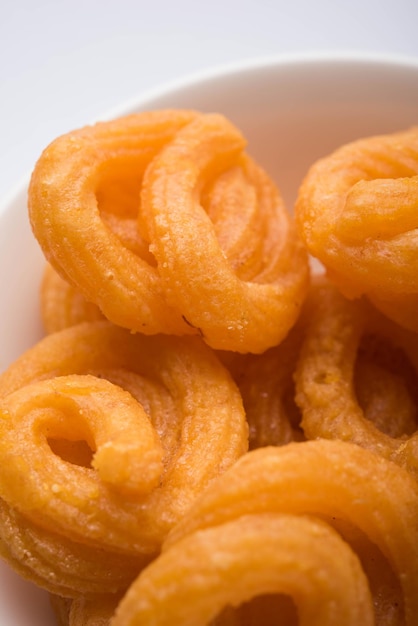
<point>159,416</point>
<point>357,377</point>
<point>243,538</point>
<point>356,211</point>
<point>143,215</point>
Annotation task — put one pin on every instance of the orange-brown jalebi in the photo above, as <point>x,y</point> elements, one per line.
<point>357,377</point>
<point>197,262</point>
<point>255,554</point>
<point>154,445</point>
<point>237,540</point>
<point>356,211</point>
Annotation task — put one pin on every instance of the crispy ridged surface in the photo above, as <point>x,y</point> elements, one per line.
<point>143,215</point>
<point>356,211</point>
<point>356,379</point>
<point>300,488</point>
<point>160,416</point>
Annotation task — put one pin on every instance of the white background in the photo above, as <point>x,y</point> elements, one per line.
<point>66,63</point>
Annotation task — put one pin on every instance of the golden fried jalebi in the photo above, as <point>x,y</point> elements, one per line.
<point>192,581</point>
<point>214,251</point>
<point>356,211</point>
<point>357,378</point>
<point>58,563</point>
<point>226,535</point>
<point>127,488</point>
<point>62,305</point>
<point>142,477</point>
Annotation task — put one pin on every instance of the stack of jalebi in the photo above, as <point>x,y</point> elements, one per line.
<point>263,470</point>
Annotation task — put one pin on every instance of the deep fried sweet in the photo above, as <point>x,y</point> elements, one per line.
<point>329,479</point>
<point>126,490</point>
<point>59,564</point>
<point>372,502</point>
<point>164,222</point>
<point>187,426</point>
<point>357,378</point>
<point>193,580</point>
<point>356,211</point>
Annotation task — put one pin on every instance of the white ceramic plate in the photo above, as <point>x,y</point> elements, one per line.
<point>292,110</point>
